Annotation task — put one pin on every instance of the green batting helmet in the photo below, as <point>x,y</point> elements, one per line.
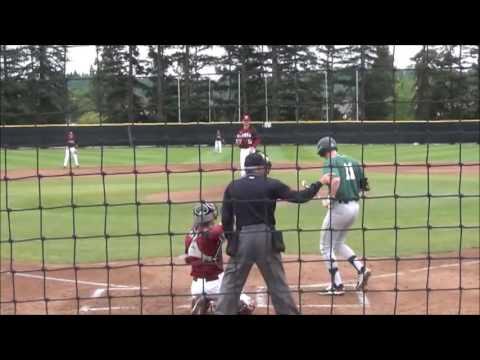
<point>325,144</point>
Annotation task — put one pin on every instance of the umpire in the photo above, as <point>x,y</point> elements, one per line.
<point>251,201</point>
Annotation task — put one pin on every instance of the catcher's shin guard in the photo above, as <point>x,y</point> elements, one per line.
<point>247,307</point>
<point>200,305</point>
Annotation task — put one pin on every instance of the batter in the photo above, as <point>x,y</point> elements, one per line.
<point>345,179</point>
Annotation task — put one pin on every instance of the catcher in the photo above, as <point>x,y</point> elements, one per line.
<point>70,150</point>
<point>203,250</point>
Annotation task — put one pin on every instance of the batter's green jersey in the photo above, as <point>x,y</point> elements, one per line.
<point>350,172</point>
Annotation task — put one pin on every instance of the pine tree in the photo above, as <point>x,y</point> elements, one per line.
<point>115,84</point>
<point>379,86</point>
<point>161,105</point>
<point>47,93</point>
<point>356,58</point>
<point>329,57</point>
<point>424,73</point>
<point>245,60</point>
<point>275,83</point>
<point>470,61</point>
<point>188,63</point>
<point>13,85</point>
<point>294,92</point>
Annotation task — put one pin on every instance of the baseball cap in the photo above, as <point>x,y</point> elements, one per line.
<point>254,160</point>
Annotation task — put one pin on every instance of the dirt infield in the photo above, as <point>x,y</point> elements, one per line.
<point>407,168</point>
<point>158,287</point>
<point>209,193</point>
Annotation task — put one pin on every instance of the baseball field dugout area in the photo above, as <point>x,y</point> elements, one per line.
<point>107,237</point>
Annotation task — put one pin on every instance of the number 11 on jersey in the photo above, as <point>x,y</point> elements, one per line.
<point>350,174</point>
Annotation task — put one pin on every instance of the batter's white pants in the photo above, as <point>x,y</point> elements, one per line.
<point>338,220</point>
<point>243,155</point>
<point>218,146</point>
<point>70,151</point>
<point>212,289</point>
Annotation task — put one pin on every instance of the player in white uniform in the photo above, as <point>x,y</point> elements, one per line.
<point>70,150</point>
<point>218,142</point>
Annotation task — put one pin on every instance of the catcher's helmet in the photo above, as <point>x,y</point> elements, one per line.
<point>257,160</point>
<point>325,144</point>
<point>204,212</point>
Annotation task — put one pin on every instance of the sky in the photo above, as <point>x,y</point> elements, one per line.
<point>82,57</point>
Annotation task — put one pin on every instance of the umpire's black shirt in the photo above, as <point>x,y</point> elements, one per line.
<point>252,200</point>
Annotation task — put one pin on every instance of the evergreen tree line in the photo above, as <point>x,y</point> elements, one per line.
<point>294,80</point>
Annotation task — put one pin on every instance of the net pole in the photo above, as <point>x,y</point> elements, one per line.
<point>209,100</point>
<point>326,94</point>
<point>356,92</point>
<point>239,98</point>
<point>266,99</point>
<point>179,101</point>
<point>460,212</point>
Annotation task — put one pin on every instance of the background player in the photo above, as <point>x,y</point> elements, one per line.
<point>218,142</point>
<point>247,140</point>
<point>203,247</point>
<point>70,150</point>
<point>345,179</point>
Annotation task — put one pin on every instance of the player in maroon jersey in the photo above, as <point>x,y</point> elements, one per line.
<point>247,140</point>
<point>203,250</point>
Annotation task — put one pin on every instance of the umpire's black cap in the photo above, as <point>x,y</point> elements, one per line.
<point>257,160</point>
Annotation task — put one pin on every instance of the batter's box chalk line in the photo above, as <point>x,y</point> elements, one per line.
<point>362,299</point>
<point>100,291</point>
<point>86,309</point>
<point>80,282</point>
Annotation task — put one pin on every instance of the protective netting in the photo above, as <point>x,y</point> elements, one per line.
<point>108,236</point>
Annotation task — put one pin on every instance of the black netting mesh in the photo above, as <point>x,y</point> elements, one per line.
<point>107,236</point>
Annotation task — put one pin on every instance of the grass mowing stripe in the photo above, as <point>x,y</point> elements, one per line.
<point>154,217</point>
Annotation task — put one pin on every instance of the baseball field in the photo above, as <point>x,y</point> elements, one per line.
<point>139,226</point>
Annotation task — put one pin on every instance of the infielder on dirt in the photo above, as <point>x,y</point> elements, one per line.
<point>203,250</point>
<point>345,179</point>
<point>247,140</point>
<point>70,150</point>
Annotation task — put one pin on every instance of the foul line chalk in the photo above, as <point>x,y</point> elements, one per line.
<point>91,283</point>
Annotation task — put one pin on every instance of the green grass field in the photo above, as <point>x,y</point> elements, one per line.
<point>155,221</point>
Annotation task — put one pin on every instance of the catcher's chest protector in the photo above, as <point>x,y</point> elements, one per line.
<point>194,249</point>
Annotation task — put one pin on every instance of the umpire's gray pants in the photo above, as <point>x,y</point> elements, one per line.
<point>255,247</point>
